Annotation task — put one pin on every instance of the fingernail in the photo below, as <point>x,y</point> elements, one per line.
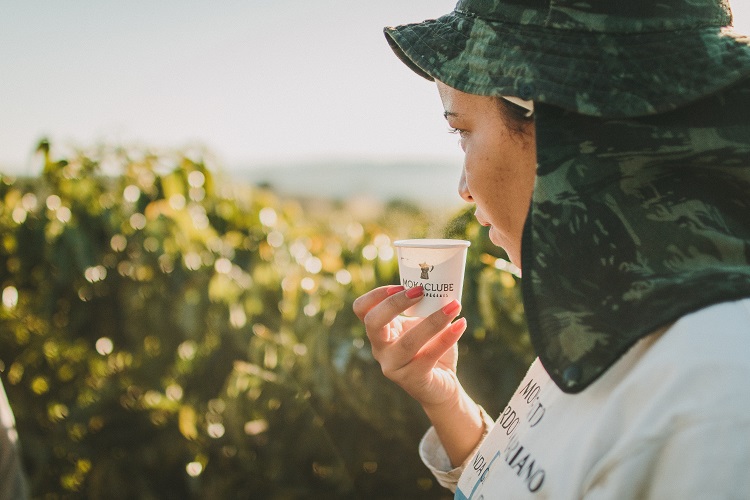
<point>452,308</point>
<point>391,290</point>
<point>414,292</point>
<point>458,325</point>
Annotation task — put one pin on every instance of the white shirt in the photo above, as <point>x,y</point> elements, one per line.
<point>671,419</point>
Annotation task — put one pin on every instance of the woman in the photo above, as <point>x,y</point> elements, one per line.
<point>625,200</point>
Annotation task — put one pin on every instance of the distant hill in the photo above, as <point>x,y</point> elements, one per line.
<point>430,184</point>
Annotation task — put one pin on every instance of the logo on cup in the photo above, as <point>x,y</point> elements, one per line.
<point>426,268</point>
<point>437,265</point>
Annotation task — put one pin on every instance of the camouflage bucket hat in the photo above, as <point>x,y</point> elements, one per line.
<point>604,58</point>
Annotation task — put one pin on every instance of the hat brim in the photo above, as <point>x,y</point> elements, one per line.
<point>598,74</point>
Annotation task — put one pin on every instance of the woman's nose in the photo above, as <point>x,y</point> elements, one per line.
<point>463,189</point>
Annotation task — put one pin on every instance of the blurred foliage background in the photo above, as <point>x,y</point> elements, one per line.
<point>165,334</point>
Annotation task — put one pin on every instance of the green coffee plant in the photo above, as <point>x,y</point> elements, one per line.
<point>165,333</point>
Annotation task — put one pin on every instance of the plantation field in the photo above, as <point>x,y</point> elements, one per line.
<point>168,333</point>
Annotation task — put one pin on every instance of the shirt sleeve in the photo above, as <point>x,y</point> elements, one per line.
<point>433,455</point>
<point>698,460</point>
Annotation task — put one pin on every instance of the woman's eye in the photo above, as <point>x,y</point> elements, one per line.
<point>461,136</point>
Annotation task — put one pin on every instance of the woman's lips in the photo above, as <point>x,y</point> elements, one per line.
<point>480,218</point>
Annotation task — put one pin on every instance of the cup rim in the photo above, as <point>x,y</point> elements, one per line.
<point>431,243</point>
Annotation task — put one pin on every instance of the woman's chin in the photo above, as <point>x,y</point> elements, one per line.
<point>499,240</point>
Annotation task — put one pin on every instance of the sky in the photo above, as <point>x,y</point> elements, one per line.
<point>257,82</point>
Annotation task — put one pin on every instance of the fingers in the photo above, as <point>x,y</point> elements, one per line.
<point>383,313</point>
<point>380,321</point>
<point>432,330</point>
<point>441,343</point>
<point>364,303</point>
<point>430,338</point>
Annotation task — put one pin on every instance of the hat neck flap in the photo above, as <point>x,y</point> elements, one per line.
<point>633,223</point>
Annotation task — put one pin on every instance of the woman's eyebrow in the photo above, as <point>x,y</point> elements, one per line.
<point>446,114</point>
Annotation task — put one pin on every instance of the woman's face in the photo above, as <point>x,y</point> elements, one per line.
<point>499,166</point>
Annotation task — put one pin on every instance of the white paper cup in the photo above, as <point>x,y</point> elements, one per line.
<point>435,264</point>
